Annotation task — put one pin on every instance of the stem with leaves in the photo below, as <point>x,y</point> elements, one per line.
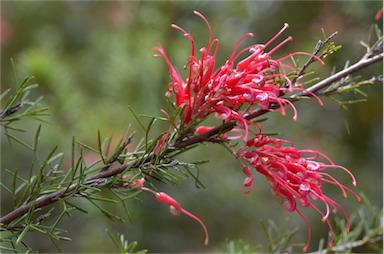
<point>182,144</point>
<point>86,179</point>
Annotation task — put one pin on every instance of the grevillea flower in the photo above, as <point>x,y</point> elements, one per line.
<point>175,207</point>
<point>254,80</point>
<point>379,14</point>
<point>296,176</point>
<point>231,93</point>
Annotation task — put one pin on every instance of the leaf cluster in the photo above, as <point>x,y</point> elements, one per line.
<point>53,179</point>
<point>16,105</point>
<point>366,235</point>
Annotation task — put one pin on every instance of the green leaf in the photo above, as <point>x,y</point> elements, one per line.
<point>55,157</point>
<point>105,147</point>
<point>112,238</point>
<point>123,245</point>
<point>76,206</point>
<point>196,178</point>
<point>2,95</point>
<point>22,234</point>
<point>28,189</point>
<point>41,170</point>
<point>18,92</point>
<point>65,210</point>
<point>19,141</point>
<point>103,199</point>
<point>36,140</point>
<point>136,117</point>
<point>109,215</point>
<point>121,201</point>
<point>151,122</point>
<point>8,189</point>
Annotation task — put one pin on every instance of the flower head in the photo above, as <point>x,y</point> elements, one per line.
<point>254,80</point>
<point>295,176</point>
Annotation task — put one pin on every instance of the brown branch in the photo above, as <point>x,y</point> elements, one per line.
<point>319,46</point>
<point>352,245</point>
<point>12,110</point>
<point>217,130</point>
<point>72,189</point>
<point>363,63</point>
<point>53,197</point>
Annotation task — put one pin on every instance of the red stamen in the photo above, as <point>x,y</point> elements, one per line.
<point>308,229</point>
<point>209,28</point>
<point>232,58</point>
<point>206,240</point>
<point>301,53</point>
<point>290,38</point>
<point>277,35</point>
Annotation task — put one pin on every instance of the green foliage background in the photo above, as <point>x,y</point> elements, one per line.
<point>93,59</point>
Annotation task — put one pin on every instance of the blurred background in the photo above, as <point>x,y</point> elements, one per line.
<point>93,59</point>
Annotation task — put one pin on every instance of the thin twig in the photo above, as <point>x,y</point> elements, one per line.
<point>350,246</point>
<point>363,63</point>
<point>12,110</point>
<point>217,130</point>
<point>62,193</point>
<point>319,46</point>
<point>340,89</point>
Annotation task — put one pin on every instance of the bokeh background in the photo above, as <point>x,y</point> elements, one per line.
<point>93,59</point>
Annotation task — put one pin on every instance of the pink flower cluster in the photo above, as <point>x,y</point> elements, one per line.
<point>255,80</point>
<point>232,93</point>
<point>295,176</point>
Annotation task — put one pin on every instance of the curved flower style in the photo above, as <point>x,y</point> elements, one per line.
<point>255,80</point>
<point>295,176</point>
<point>175,207</point>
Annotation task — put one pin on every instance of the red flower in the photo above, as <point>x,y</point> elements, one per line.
<point>296,176</point>
<point>175,207</point>
<point>254,80</point>
<point>379,14</point>
<point>234,91</point>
